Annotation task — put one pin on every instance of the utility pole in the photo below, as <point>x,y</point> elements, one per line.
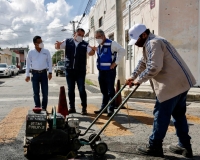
<point>56,58</point>
<point>73,23</point>
<point>130,47</point>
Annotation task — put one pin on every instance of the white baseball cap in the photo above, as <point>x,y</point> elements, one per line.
<point>135,32</point>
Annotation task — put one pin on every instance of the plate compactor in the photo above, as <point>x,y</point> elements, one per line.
<point>50,134</point>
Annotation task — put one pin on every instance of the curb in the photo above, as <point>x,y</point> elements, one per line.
<point>96,83</point>
<point>151,95</point>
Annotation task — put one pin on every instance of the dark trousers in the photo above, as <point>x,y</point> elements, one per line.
<point>107,81</point>
<point>73,77</point>
<point>175,107</point>
<point>40,79</point>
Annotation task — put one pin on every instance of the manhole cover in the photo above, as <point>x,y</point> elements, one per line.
<point>92,89</point>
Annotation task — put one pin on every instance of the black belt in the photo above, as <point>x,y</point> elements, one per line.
<point>38,71</point>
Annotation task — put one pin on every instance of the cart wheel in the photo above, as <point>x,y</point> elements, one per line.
<point>26,153</point>
<point>76,144</point>
<point>93,135</point>
<point>100,148</point>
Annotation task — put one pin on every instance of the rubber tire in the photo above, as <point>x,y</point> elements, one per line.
<point>100,148</point>
<point>92,136</point>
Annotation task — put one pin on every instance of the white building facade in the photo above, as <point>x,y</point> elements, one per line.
<point>176,20</point>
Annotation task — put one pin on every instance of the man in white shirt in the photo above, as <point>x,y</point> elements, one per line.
<point>109,54</point>
<point>39,60</point>
<point>76,50</point>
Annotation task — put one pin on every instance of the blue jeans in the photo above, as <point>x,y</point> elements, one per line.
<point>73,77</point>
<point>175,107</point>
<point>37,80</point>
<point>106,82</point>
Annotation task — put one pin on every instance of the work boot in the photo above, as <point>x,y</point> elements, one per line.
<point>150,151</point>
<point>84,112</point>
<point>110,113</point>
<point>177,149</point>
<point>99,111</point>
<point>72,110</point>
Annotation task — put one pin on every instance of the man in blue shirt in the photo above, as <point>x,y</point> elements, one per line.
<point>109,54</point>
<point>39,59</point>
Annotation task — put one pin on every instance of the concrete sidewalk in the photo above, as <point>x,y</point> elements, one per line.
<point>145,91</point>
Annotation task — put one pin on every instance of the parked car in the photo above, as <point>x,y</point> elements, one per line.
<point>24,69</point>
<point>14,70</point>
<point>54,68</point>
<point>4,70</point>
<point>60,68</point>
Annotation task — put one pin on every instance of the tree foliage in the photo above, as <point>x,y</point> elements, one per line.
<point>58,55</point>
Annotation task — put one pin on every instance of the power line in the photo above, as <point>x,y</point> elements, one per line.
<point>87,9</point>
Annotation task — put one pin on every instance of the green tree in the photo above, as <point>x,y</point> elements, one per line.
<point>58,55</point>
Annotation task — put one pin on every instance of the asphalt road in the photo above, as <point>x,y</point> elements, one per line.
<point>130,127</point>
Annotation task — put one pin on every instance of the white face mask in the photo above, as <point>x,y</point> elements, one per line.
<point>79,38</point>
<point>99,41</point>
<point>41,45</point>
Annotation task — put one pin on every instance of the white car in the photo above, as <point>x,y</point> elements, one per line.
<point>54,68</point>
<point>24,69</point>
<point>60,68</point>
<point>4,70</point>
<point>14,70</point>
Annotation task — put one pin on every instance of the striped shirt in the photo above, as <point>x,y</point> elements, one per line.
<point>164,66</point>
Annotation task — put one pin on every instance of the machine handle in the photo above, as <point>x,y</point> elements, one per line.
<point>54,117</point>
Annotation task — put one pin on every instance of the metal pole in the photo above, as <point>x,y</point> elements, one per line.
<point>73,26</point>
<point>129,17</point>
<point>56,57</point>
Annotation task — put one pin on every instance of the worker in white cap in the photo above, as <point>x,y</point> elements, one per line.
<point>171,79</point>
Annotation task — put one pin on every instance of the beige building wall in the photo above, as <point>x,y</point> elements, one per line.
<point>7,56</point>
<point>176,20</point>
<point>179,25</point>
<point>140,13</point>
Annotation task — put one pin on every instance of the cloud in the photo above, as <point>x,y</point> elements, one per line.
<point>21,20</point>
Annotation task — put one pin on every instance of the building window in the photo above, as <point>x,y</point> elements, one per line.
<point>111,36</point>
<point>128,48</point>
<point>100,21</point>
<point>92,22</point>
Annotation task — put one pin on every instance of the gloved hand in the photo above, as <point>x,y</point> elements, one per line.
<point>131,82</point>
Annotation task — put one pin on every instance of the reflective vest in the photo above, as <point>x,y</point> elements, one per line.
<point>105,57</point>
<point>75,57</point>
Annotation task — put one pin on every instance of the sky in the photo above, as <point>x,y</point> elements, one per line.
<point>21,20</point>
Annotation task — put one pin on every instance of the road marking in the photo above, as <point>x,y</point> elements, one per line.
<point>113,129</point>
<point>12,123</point>
<point>143,117</point>
<point>49,98</point>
